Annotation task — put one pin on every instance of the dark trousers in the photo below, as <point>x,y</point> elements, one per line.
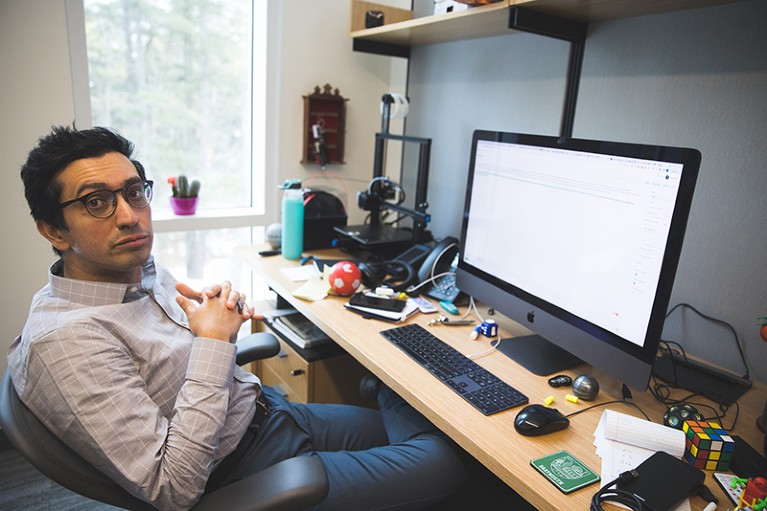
<point>388,459</point>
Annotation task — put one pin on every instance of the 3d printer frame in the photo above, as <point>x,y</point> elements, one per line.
<point>376,200</point>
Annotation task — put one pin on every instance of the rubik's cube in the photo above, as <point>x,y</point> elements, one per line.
<point>707,445</point>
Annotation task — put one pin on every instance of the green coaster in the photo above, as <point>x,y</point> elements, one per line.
<point>565,471</point>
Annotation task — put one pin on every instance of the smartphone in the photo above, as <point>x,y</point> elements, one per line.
<point>375,302</point>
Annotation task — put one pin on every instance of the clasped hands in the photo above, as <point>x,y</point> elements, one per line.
<point>216,312</point>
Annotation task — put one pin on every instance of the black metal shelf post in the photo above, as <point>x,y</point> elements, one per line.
<point>575,32</point>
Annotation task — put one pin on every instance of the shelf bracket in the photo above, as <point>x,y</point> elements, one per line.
<point>378,48</point>
<point>575,32</point>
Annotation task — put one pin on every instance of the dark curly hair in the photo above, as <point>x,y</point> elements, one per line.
<point>53,153</point>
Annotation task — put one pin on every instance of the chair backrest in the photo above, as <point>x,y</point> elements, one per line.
<point>294,483</point>
<point>53,458</point>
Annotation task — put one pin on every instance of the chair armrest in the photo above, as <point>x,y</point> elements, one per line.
<point>256,346</point>
<point>294,483</point>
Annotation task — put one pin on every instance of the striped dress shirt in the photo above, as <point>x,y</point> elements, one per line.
<point>114,371</point>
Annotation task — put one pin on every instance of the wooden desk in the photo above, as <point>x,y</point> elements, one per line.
<point>491,440</point>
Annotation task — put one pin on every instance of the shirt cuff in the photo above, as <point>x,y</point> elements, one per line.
<point>212,361</point>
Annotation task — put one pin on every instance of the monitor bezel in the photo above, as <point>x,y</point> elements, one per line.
<point>560,327</point>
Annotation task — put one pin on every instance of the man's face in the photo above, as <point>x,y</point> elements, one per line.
<point>102,249</point>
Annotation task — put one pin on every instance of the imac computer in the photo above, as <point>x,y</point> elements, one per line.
<point>579,241</point>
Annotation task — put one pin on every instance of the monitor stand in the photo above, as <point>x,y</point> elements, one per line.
<point>538,355</point>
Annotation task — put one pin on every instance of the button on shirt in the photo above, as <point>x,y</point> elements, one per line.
<point>114,371</point>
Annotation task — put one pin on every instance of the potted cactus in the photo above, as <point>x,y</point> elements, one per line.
<point>185,194</point>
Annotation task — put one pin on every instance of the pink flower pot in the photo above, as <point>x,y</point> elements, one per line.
<point>184,205</point>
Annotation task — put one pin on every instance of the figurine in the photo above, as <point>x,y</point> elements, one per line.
<point>754,494</point>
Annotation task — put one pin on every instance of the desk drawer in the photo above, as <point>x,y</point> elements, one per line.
<point>289,371</point>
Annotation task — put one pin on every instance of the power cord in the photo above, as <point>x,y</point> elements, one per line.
<point>718,322</point>
<point>627,399</point>
<point>662,392</point>
<point>616,495</point>
<point>703,492</point>
<point>631,501</point>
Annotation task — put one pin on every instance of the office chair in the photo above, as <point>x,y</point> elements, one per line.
<point>295,483</point>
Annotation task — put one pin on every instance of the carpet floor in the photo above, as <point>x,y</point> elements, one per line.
<point>23,488</point>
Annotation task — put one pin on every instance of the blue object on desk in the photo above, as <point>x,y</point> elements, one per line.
<point>449,307</point>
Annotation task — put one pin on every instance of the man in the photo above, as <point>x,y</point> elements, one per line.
<point>137,372</point>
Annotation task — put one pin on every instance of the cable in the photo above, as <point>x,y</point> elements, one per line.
<point>662,393</point>
<point>473,307</point>
<point>635,503</point>
<point>703,492</point>
<point>630,403</point>
<point>429,280</point>
<point>621,497</point>
<point>493,346</point>
<point>437,259</point>
<point>719,322</point>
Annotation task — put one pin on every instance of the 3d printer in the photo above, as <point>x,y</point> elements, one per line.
<point>377,235</point>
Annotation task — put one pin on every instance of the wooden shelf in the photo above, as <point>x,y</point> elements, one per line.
<point>471,23</point>
<point>492,19</point>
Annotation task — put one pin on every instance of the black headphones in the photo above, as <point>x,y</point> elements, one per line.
<point>398,275</point>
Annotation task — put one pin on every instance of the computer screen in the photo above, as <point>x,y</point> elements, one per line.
<point>578,240</point>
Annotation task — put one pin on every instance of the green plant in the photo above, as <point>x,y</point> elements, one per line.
<point>183,188</point>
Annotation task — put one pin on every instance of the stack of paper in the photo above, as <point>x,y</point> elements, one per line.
<point>624,442</point>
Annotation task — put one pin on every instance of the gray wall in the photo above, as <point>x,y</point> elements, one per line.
<point>693,78</point>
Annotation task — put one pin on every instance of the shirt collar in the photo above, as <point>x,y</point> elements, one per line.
<point>93,293</point>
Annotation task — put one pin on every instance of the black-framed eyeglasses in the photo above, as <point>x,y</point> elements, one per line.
<point>103,203</point>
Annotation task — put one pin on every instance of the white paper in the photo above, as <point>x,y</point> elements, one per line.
<point>299,273</point>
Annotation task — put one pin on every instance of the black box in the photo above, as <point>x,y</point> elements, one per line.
<point>322,213</point>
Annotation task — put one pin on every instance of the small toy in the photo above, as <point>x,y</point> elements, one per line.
<point>753,495</point>
<point>560,380</point>
<point>677,414</point>
<point>707,445</point>
<point>344,278</point>
<point>488,328</point>
<point>586,387</point>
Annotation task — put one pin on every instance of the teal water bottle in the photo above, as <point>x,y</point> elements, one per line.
<point>292,219</point>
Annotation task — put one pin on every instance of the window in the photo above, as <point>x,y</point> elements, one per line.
<point>176,78</point>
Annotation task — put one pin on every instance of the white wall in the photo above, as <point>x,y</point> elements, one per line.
<point>36,93</point>
<point>312,48</point>
<point>691,78</point>
<point>309,46</point>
